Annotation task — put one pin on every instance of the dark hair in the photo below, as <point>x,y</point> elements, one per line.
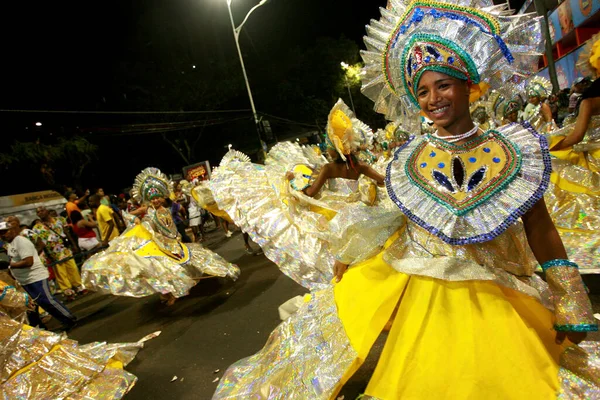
<point>94,199</point>
<point>168,202</point>
<point>76,217</point>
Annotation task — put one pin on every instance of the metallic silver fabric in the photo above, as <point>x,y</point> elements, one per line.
<point>301,234</point>
<point>37,364</point>
<point>141,262</point>
<point>304,358</point>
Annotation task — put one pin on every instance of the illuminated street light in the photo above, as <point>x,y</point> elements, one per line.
<point>38,124</point>
<point>347,70</point>
<point>236,35</point>
<point>193,66</point>
<point>229,146</point>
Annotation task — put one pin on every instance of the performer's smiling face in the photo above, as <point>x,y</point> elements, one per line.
<point>443,99</point>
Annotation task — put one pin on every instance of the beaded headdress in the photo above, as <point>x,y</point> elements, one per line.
<point>479,110</point>
<point>151,183</point>
<point>588,62</point>
<point>234,156</point>
<point>344,131</point>
<point>538,86</point>
<point>502,102</point>
<point>472,40</point>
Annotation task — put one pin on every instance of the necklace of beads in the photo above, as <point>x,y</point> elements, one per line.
<point>457,138</point>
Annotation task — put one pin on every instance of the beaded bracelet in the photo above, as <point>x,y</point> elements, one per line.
<point>558,263</point>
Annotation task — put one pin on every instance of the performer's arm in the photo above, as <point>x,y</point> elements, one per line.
<point>573,309</point>
<point>324,175</point>
<point>371,173</point>
<point>581,126</point>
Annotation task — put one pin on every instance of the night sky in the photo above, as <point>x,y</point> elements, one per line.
<point>138,55</point>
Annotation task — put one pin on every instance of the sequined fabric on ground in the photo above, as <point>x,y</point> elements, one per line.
<point>141,262</point>
<point>304,358</point>
<point>573,198</point>
<point>302,235</point>
<point>37,364</point>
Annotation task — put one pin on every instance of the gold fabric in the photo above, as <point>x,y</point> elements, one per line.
<point>37,364</point>
<point>141,262</point>
<point>301,234</point>
<point>573,197</point>
<point>572,305</point>
<point>304,357</point>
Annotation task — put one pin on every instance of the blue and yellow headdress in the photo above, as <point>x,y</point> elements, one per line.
<point>538,86</point>
<point>471,40</point>
<point>151,183</point>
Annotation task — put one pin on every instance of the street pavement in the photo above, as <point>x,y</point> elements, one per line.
<point>219,323</point>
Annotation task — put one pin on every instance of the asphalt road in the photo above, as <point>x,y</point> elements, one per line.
<point>219,323</point>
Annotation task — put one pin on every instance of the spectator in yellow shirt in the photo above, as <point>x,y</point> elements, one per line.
<point>105,219</point>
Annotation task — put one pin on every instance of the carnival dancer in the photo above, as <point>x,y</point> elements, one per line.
<point>299,210</point>
<point>203,197</point>
<point>574,195</point>
<point>37,364</point>
<point>149,257</point>
<point>537,112</point>
<point>470,317</point>
<point>504,105</point>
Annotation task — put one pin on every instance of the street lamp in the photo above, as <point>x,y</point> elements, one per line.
<point>38,124</point>
<point>236,35</point>
<point>346,67</point>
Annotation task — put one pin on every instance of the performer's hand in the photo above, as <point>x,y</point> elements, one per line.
<point>575,337</point>
<point>339,269</point>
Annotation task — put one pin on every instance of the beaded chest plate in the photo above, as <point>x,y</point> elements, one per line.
<point>462,177</point>
<point>473,192</point>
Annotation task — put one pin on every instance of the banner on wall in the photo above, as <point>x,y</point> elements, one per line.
<point>566,70</point>
<point>569,15</point>
<point>200,171</point>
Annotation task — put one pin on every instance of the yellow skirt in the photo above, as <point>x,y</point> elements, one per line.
<point>449,340</point>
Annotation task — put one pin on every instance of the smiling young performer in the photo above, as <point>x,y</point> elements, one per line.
<point>471,320</point>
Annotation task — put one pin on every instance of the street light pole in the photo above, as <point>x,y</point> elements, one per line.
<point>236,35</point>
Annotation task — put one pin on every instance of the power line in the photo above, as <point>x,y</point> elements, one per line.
<point>125,112</point>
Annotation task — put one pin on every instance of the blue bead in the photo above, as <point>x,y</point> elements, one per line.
<point>427,59</point>
<point>486,149</point>
<point>423,165</point>
<point>472,159</point>
<point>432,154</point>
<point>496,160</point>
<point>451,60</point>
<point>441,165</point>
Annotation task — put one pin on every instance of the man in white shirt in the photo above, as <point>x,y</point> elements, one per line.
<point>28,270</point>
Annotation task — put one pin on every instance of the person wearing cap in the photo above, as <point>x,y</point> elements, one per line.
<point>29,271</point>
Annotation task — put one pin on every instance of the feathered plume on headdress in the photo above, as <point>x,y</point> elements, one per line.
<point>473,40</point>
<point>151,183</point>
<point>344,131</point>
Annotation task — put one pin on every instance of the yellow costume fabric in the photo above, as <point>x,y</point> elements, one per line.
<point>573,198</point>
<point>467,315</point>
<point>142,262</point>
